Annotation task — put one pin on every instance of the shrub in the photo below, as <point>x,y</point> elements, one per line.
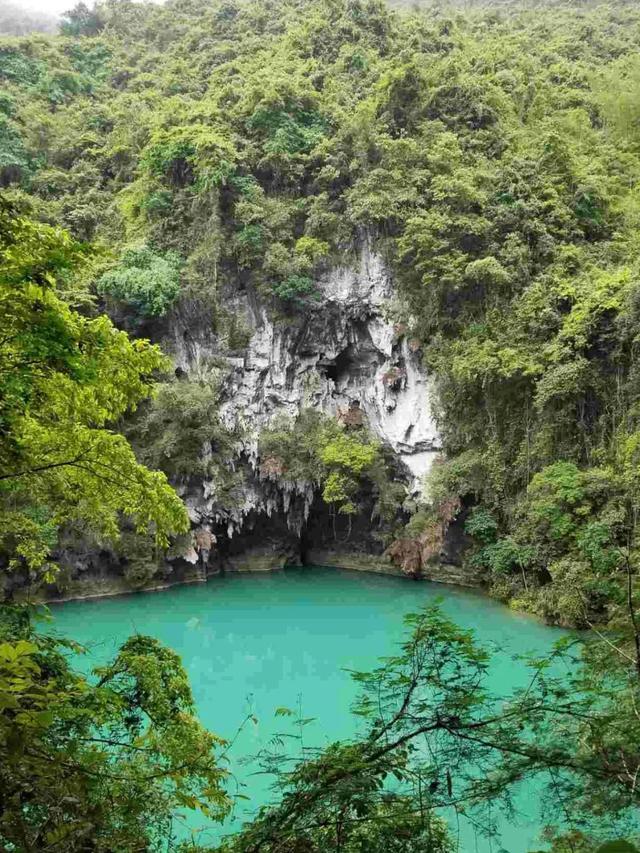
<point>295,289</point>
<point>171,432</point>
<point>482,525</point>
<point>180,155</point>
<point>348,452</point>
<point>15,161</point>
<point>318,449</point>
<point>145,279</point>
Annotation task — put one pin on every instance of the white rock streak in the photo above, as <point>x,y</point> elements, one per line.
<point>345,353</point>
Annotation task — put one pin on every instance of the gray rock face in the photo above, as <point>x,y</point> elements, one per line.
<point>345,353</point>
<point>343,356</point>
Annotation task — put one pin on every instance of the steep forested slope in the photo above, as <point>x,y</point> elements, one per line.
<point>491,156</point>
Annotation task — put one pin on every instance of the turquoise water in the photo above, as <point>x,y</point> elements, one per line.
<point>258,642</point>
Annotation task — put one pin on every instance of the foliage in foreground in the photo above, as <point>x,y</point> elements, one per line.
<point>101,763</point>
<point>64,380</point>
<point>98,763</point>
<point>108,760</point>
<point>435,736</point>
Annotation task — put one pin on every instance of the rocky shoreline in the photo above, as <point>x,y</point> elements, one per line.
<point>110,586</point>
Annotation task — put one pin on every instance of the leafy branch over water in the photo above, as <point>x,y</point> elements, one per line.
<point>435,737</point>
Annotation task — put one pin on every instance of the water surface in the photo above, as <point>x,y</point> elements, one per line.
<point>259,642</point>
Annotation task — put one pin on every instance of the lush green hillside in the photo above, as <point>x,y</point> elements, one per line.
<point>493,154</point>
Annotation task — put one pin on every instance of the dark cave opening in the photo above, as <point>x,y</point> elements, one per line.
<point>355,360</point>
<point>330,370</point>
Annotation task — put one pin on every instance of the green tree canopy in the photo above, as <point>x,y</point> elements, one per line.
<point>105,761</point>
<point>64,380</point>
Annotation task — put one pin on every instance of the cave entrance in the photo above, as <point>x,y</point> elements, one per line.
<point>304,546</point>
<point>354,364</point>
<point>330,370</point>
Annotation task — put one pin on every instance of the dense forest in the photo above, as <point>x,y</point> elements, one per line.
<point>155,160</point>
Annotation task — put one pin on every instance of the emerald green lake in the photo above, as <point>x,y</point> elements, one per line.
<point>263,641</point>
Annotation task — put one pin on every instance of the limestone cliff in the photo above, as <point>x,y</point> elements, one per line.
<point>343,355</point>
